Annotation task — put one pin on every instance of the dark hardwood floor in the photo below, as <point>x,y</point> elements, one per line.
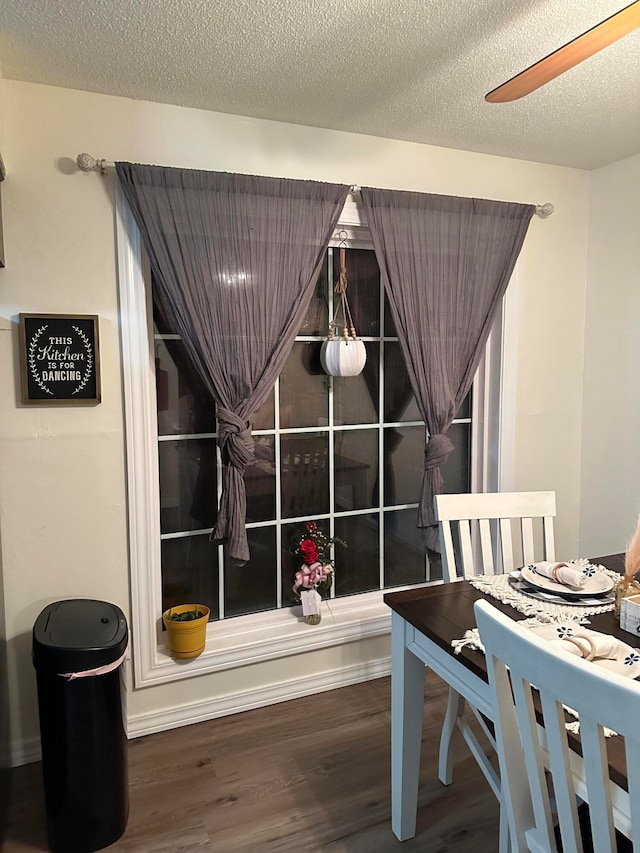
<point>306,775</point>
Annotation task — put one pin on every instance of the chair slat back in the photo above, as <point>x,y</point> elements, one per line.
<point>486,545</point>
<point>483,524</point>
<point>526,532</point>
<point>516,660</point>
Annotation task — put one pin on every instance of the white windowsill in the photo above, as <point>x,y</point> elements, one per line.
<point>265,636</point>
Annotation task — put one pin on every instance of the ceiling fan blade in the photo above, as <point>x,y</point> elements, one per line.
<point>556,63</point>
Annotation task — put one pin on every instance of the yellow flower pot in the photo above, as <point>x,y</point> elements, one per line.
<point>186,639</point>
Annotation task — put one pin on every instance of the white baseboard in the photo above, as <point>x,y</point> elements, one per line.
<point>28,751</point>
<point>197,712</point>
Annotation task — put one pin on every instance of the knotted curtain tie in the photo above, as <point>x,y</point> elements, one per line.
<point>437,450</point>
<point>234,436</point>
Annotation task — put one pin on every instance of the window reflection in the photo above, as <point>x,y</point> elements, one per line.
<point>357,565</point>
<point>316,321</point>
<point>456,471</point>
<point>188,484</point>
<point>403,464</point>
<point>184,405</point>
<point>355,398</point>
<point>162,324</point>
<point>260,481</point>
<point>389,325</point>
<point>404,556</point>
<point>190,572</point>
<point>264,418</point>
<point>304,474</point>
<point>399,399</point>
<point>356,469</point>
<point>363,289</point>
<point>252,587</point>
<point>304,396</point>
<point>311,361</point>
<point>465,409</point>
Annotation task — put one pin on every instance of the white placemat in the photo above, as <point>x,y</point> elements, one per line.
<point>497,586</point>
<point>539,613</point>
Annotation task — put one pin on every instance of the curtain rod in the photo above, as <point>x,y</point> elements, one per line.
<point>87,163</point>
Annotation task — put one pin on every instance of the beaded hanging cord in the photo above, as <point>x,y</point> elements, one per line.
<point>343,304</point>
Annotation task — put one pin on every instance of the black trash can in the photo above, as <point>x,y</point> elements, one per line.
<point>78,648</point>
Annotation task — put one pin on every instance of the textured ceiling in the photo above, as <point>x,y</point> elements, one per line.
<point>408,69</point>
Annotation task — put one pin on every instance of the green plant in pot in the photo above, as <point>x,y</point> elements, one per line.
<point>186,626</point>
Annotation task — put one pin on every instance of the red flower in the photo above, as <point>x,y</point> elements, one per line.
<point>311,526</point>
<point>309,550</point>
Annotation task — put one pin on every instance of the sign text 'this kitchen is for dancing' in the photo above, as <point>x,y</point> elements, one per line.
<point>60,361</point>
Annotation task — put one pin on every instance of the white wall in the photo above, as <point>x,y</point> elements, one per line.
<point>610,499</point>
<point>62,475</point>
<point>5,731</point>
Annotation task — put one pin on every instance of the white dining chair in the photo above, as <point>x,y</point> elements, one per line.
<point>482,534</point>
<point>529,745</point>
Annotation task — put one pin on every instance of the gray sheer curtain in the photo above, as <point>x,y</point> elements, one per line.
<point>235,259</point>
<point>445,263</point>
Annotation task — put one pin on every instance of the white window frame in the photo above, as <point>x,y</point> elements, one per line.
<point>264,636</point>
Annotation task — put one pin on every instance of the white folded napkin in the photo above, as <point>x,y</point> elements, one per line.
<point>592,645</point>
<point>562,573</point>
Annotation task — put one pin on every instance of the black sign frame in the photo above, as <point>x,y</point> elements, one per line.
<point>3,175</point>
<point>60,359</point>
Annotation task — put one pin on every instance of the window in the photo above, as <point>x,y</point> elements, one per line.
<point>346,452</point>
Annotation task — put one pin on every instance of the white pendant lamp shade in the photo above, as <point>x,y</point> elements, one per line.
<point>341,357</point>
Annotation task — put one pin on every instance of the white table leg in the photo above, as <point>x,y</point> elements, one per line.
<point>455,707</point>
<point>407,708</point>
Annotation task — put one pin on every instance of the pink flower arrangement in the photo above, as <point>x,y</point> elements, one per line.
<point>313,576</point>
<point>316,571</point>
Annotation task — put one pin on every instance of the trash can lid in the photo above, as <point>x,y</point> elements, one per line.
<point>78,634</point>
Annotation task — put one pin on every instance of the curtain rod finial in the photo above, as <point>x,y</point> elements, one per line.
<point>544,210</point>
<point>87,163</point>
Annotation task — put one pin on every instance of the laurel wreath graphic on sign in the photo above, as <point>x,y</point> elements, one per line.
<point>87,345</point>
<point>33,369</point>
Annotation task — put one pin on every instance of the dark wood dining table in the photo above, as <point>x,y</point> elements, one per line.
<point>424,622</point>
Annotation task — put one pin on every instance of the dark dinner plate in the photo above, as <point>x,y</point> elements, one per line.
<point>518,583</point>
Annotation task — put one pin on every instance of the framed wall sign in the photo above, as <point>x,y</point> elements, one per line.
<point>60,361</point>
